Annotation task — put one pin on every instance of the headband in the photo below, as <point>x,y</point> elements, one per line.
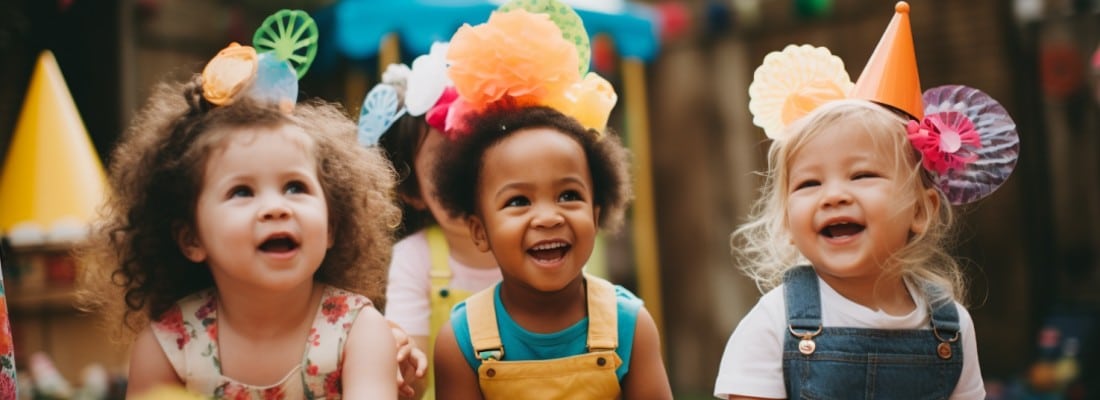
<point>425,88</point>
<point>282,51</point>
<point>967,141</point>
<point>529,53</point>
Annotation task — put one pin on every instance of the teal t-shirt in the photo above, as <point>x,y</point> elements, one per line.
<point>523,345</point>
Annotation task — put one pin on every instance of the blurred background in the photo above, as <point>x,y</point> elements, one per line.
<point>682,69</point>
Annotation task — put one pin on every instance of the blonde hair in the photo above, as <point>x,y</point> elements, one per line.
<point>763,244</point>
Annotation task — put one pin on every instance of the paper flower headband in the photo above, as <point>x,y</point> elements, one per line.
<point>426,90</point>
<point>530,52</point>
<point>283,49</point>
<point>967,141</point>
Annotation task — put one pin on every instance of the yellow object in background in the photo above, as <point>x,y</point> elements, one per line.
<point>52,179</point>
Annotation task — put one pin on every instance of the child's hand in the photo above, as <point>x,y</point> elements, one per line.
<point>412,363</point>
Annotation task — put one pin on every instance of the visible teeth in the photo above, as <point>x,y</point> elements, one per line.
<point>549,246</point>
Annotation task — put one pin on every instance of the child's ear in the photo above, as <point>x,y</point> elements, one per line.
<point>478,234</point>
<point>924,216</point>
<point>596,214</point>
<point>416,202</point>
<point>188,241</point>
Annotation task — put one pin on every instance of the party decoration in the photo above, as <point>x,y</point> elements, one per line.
<point>229,73</point>
<point>975,142</point>
<point>276,82</point>
<point>426,80</point>
<point>52,179</point>
<point>381,108</point>
<point>508,56</point>
<point>292,35</point>
<point>269,72</point>
<point>567,20</point>
<point>505,60</point>
<point>891,77</point>
<point>793,82</point>
<point>967,141</point>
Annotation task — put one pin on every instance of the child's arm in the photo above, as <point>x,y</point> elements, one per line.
<point>149,366</point>
<point>453,377</point>
<point>369,368</point>
<point>646,378</point>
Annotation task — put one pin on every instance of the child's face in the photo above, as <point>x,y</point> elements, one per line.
<point>535,208</point>
<point>426,157</point>
<point>850,205</point>
<point>261,220</point>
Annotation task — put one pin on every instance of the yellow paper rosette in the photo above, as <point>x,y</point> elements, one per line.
<point>517,54</point>
<point>589,101</point>
<point>793,82</point>
<point>228,73</point>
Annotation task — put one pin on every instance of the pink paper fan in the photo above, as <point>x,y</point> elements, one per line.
<point>1000,145</point>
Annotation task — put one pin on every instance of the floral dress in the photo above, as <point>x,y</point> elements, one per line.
<point>188,334</point>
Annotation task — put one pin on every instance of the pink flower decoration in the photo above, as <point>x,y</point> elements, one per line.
<point>437,115</point>
<point>946,140</point>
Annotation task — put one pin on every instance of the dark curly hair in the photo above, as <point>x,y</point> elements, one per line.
<point>458,169</point>
<point>134,269</point>
<point>401,142</point>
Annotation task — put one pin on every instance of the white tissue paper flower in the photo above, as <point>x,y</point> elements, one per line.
<point>427,80</point>
<point>396,74</point>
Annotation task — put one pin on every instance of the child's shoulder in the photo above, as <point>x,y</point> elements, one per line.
<point>417,242</point>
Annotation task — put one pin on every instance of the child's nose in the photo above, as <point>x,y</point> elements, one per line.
<point>274,208</point>
<point>547,217</point>
<point>835,195</point>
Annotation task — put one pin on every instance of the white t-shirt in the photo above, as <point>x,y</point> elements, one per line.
<point>752,364</point>
<point>408,301</point>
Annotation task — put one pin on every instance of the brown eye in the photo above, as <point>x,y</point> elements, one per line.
<point>570,195</point>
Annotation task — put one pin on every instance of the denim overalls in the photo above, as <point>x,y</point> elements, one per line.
<point>861,363</point>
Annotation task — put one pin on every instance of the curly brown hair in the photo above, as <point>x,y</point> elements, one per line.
<point>460,167</point>
<point>135,270</point>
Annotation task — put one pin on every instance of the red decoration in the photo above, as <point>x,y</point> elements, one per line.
<point>1061,70</point>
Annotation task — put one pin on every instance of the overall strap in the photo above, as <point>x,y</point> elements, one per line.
<point>603,317</point>
<point>803,298</point>
<point>441,269</point>
<point>481,316</point>
<point>944,315</point>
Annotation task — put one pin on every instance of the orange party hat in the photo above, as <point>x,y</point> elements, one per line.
<point>891,77</point>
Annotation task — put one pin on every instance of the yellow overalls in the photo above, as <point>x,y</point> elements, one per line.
<point>585,376</point>
<point>443,298</point>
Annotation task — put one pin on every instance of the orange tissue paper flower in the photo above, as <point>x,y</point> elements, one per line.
<point>517,54</point>
<point>589,101</point>
<point>229,73</point>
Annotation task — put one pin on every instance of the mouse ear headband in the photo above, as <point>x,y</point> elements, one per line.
<point>529,53</point>
<point>967,141</point>
<point>282,51</point>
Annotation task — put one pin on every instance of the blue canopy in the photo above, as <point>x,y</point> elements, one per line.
<point>360,25</point>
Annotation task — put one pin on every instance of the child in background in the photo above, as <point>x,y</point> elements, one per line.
<point>852,229</point>
<point>435,264</point>
<point>534,174</point>
<point>246,240</point>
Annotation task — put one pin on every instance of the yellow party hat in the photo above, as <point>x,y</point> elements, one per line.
<point>890,76</point>
<point>52,179</point>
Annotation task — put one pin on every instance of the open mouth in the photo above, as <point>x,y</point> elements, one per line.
<point>550,251</point>
<point>279,244</point>
<point>842,229</point>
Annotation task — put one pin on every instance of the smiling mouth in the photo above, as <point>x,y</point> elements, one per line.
<point>547,252</point>
<point>843,229</point>
<point>279,244</point>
